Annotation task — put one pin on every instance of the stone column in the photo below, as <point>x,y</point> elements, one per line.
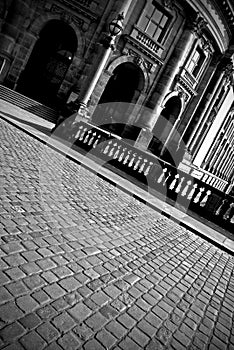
<point>212,152</point>
<point>11,28</point>
<point>164,85</point>
<point>227,164</point>
<point>219,156</point>
<point>231,167</point>
<point>222,80</point>
<point>185,126</point>
<point>108,44</point>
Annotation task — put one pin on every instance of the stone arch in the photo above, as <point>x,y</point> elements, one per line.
<point>124,86</point>
<point>171,95</point>
<point>50,59</point>
<point>166,122</point>
<point>123,59</point>
<point>39,23</point>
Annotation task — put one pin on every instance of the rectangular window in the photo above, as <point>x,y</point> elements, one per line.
<point>154,22</point>
<point>196,62</point>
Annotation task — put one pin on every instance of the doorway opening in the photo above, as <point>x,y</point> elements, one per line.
<point>164,125</point>
<point>122,91</point>
<point>49,61</point>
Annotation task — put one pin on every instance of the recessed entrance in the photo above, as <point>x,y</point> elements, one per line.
<point>123,88</point>
<point>165,123</point>
<point>49,62</point>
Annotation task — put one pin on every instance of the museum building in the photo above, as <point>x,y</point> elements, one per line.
<point>158,73</point>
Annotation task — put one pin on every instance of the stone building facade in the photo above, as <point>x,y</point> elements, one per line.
<point>166,85</point>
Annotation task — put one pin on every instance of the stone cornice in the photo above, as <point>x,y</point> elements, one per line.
<point>212,12</point>
<point>78,8</point>
<point>143,49</point>
<point>227,9</point>
<point>185,85</point>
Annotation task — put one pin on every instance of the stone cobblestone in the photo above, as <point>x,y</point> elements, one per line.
<point>86,266</point>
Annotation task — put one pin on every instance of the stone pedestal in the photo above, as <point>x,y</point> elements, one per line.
<point>186,163</point>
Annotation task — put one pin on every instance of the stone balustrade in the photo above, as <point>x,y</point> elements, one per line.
<point>152,172</point>
<point>147,41</point>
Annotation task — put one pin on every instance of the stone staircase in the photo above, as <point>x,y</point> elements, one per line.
<point>28,104</point>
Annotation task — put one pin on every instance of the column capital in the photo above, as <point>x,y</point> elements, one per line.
<point>196,23</point>
<point>170,4</point>
<point>229,72</point>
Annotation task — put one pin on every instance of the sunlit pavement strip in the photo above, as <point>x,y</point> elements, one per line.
<point>151,199</point>
<point>85,265</point>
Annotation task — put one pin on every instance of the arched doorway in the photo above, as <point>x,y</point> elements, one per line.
<point>123,88</point>
<point>164,125</point>
<point>49,62</point>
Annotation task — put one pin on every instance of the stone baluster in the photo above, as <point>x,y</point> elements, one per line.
<point>227,215</point>
<point>137,163</point>
<point>191,194</point>
<point>205,199</point>
<point>198,196</point>
<point>127,157</point>
<point>87,136</point>
<point>111,152</point>
<point>105,149</point>
<point>92,138</point>
<point>231,216</point>
<point>147,170</point>
<point>221,207</point>
<point>178,188</point>
<point>167,178</point>
<point>132,160</point>
<point>162,176</point>
<point>117,152</point>
<point>174,182</point>
<point>79,132</point>
<point>142,166</point>
<point>186,188</point>
<point>82,134</point>
<point>121,156</point>
<point>96,141</point>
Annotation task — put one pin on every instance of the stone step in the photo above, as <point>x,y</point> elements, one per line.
<point>28,104</point>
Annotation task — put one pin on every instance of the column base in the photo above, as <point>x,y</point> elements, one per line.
<point>186,163</point>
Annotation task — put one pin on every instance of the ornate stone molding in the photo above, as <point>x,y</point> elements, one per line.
<point>67,17</point>
<point>206,45</point>
<point>180,82</point>
<point>170,4</point>
<point>141,50</point>
<point>78,9</point>
<point>138,59</point>
<point>229,73</point>
<point>181,93</point>
<point>196,23</point>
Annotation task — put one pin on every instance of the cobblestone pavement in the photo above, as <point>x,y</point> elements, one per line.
<point>84,265</point>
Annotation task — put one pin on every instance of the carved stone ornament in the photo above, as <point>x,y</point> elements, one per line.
<point>181,93</point>
<point>206,45</point>
<point>138,59</point>
<point>196,24</point>
<point>67,17</point>
<point>229,73</point>
<point>170,4</point>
